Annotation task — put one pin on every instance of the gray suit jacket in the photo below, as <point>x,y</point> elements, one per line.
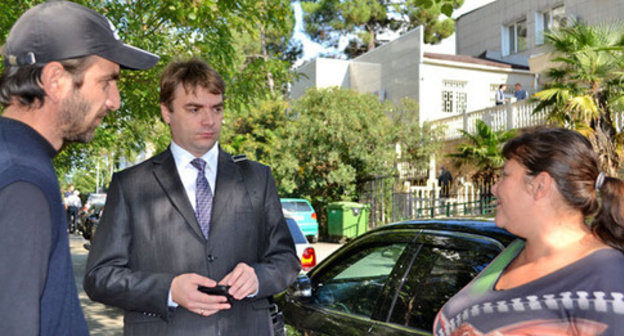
<point>148,234</point>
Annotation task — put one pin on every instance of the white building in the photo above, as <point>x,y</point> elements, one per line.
<point>512,31</point>
<point>443,85</point>
<point>495,44</point>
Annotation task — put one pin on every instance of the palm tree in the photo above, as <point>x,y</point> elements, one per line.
<point>483,150</point>
<point>586,92</point>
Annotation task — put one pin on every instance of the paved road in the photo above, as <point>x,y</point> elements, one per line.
<point>102,320</point>
<point>107,321</point>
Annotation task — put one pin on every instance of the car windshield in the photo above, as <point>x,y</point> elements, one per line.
<point>295,232</point>
<point>97,199</point>
<point>297,206</point>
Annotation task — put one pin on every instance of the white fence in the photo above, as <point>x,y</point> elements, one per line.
<point>502,117</point>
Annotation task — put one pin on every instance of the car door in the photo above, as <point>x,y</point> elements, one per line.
<point>443,264</point>
<point>348,291</point>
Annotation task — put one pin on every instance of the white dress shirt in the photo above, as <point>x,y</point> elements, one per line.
<point>188,173</point>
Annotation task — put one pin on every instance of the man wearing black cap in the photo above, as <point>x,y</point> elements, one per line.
<point>62,62</point>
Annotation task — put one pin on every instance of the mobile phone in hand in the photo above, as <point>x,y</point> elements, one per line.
<point>217,290</point>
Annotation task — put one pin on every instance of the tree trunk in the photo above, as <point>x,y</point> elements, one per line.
<point>371,40</point>
<point>605,148</point>
<point>265,56</point>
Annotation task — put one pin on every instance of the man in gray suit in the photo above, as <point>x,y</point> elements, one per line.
<point>162,234</point>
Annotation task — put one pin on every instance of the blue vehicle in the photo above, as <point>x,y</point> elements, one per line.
<point>305,216</point>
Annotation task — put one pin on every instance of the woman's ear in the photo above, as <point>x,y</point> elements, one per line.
<point>541,185</point>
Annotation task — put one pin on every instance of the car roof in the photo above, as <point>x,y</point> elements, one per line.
<point>298,236</point>
<point>476,226</point>
<point>293,200</point>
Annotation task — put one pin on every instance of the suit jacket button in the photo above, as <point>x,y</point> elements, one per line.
<point>211,258</point>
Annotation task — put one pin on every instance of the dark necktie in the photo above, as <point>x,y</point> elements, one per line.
<point>203,197</point>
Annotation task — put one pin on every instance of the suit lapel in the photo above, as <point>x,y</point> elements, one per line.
<point>228,185</point>
<point>167,175</point>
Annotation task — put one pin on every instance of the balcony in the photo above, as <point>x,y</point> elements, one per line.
<point>502,117</point>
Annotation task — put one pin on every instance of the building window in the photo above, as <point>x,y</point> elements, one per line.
<point>514,38</point>
<point>548,20</point>
<point>447,101</point>
<point>517,36</point>
<point>454,97</point>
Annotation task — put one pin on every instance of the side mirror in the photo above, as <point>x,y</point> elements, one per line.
<point>301,288</point>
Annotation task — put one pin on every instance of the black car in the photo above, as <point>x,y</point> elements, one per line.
<point>392,280</point>
<point>90,214</point>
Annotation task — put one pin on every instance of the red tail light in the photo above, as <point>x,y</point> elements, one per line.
<point>308,259</point>
<point>313,215</point>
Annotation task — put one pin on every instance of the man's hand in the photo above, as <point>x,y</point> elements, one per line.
<point>242,281</point>
<point>185,293</point>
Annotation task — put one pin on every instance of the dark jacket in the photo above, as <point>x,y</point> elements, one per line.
<point>25,156</point>
<point>148,234</point>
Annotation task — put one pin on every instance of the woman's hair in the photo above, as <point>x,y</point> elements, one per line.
<point>569,158</point>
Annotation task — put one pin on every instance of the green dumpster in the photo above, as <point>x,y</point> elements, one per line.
<point>347,219</point>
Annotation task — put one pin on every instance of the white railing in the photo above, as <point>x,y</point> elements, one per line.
<point>407,171</point>
<point>502,117</point>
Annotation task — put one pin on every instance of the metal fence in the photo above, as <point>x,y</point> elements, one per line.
<point>406,206</point>
<point>377,193</point>
<point>387,205</point>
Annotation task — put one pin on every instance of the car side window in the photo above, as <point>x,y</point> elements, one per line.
<point>441,268</point>
<point>355,284</point>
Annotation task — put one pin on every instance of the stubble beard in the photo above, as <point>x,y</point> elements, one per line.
<point>74,111</point>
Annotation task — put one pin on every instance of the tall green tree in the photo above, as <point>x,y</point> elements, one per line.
<point>247,41</point>
<point>339,140</point>
<point>329,143</point>
<point>327,20</point>
<point>428,13</point>
<point>483,151</point>
<point>262,133</point>
<point>265,51</point>
<point>417,142</point>
<point>586,90</point>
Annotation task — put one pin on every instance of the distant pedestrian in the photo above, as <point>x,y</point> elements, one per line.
<point>444,181</point>
<point>520,93</point>
<point>73,204</point>
<point>70,190</point>
<point>500,95</point>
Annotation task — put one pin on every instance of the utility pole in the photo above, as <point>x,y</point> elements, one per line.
<point>97,175</point>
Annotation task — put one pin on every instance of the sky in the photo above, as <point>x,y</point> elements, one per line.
<point>312,49</point>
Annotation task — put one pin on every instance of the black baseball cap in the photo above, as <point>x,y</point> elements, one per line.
<point>59,30</point>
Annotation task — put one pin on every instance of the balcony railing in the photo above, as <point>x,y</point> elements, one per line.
<point>502,117</point>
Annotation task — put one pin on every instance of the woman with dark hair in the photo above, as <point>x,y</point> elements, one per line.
<point>566,277</point>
